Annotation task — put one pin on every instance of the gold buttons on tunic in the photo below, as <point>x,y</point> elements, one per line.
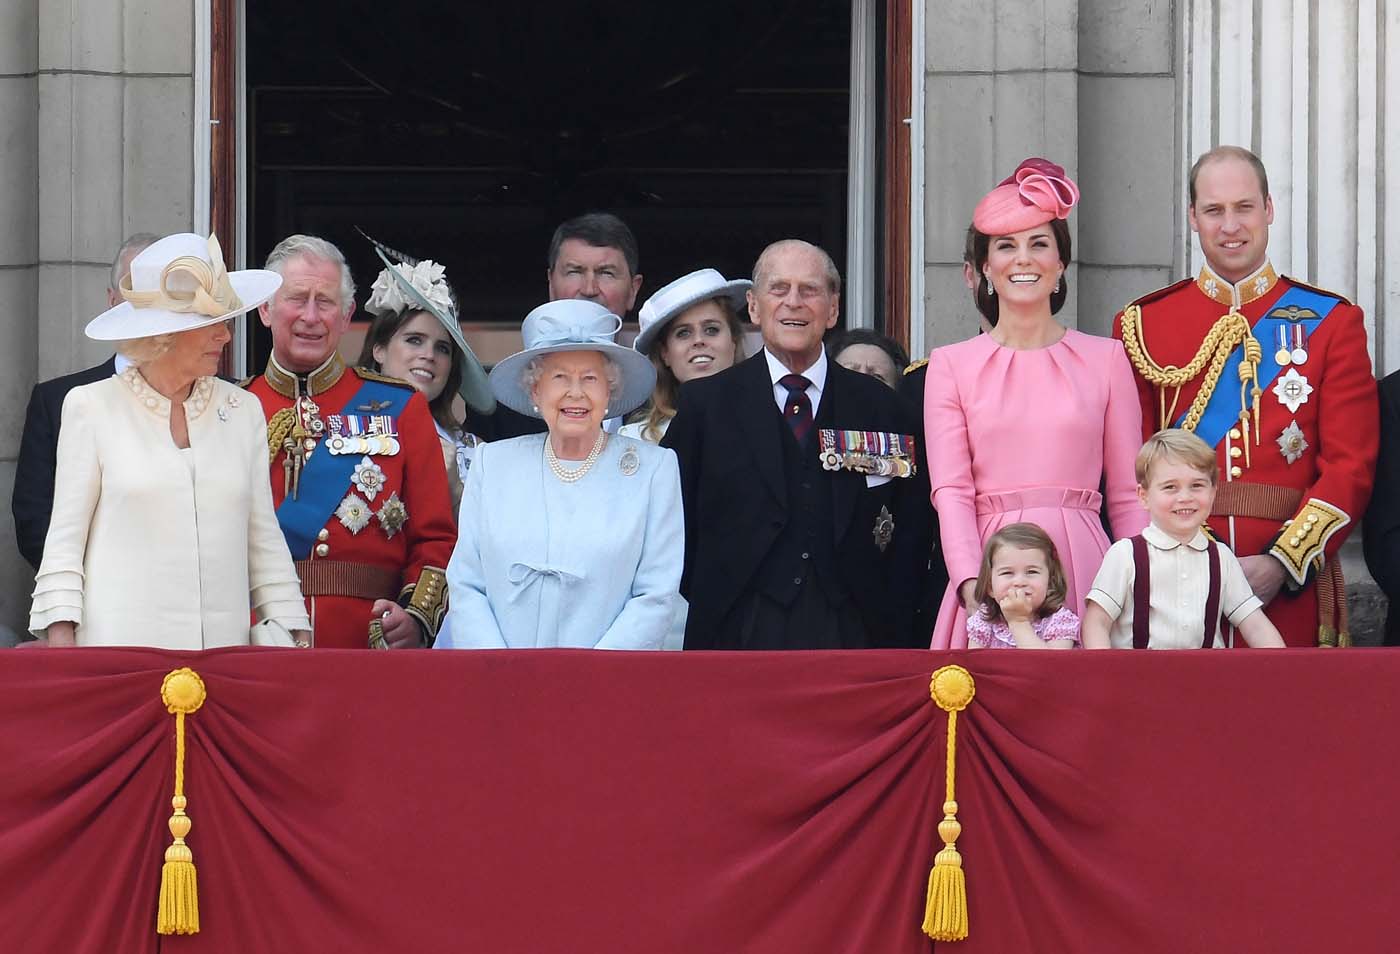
<point>1235,471</point>
<point>1235,434</point>
<point>324,535</point>
<point>1236,452</point>
<point>322,549</point>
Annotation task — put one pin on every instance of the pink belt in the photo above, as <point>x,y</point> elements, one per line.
<point>1061,498</point>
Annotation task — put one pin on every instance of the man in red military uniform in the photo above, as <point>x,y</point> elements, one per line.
<point>356,466</point>
<point>1275,375</point>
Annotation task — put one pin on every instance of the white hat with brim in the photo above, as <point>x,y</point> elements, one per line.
<point>573,324</point>
<point>475,387</point>
<point>178,283</point>
<point>670,300</point>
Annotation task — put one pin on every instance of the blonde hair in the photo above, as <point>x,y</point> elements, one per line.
<point>1021,536</point>
<point>1178,445</point>
<point>657,412</point>
<point>141,351</point>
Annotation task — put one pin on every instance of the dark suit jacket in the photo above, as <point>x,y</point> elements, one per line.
<point>1381,528</point>
<point>930,577</point>
<point>32,500</point>
<point>726,434</point>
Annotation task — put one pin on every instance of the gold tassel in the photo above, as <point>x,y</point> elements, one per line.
<point>945,913</point>
<point>178,913</point>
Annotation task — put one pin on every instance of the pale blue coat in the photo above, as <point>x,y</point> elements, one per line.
<point>542,563</point>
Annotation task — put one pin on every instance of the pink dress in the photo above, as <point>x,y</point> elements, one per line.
<point>1061,624</point>
<point>1026,436</point>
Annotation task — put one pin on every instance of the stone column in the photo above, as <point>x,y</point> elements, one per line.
<point>19,266</point>
<point>1000,85</point>
<point>1128,132</point>
<point>97,97</point>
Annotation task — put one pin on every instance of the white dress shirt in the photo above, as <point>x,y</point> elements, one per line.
<point>815,374</point>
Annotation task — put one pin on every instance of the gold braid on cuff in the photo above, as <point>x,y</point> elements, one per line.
<point>426,600</point>
<point>1303,540</point>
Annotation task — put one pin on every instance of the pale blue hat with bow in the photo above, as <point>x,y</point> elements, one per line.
<point>573,324</point>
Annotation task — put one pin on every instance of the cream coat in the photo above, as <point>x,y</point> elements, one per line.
<point>154,546</point>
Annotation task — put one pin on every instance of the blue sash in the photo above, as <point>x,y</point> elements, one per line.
<point>326,476</point>
<point>1222,411</point>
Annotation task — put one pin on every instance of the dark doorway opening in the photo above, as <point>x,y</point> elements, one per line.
<point>465,132</point>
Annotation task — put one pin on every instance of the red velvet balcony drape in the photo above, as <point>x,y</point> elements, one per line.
<point>613,802</point>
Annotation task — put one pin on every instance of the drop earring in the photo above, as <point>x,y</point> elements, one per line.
<point>1057,286</point>
<point>990,289</point>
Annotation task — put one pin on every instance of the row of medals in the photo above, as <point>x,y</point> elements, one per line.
<point>309,428</point>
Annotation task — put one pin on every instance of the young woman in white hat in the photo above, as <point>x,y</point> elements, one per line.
<point>163,531</point>
<point>573,537</point>
<point>690,329</point>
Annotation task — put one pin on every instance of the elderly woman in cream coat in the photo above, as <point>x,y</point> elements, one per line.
<point>163,531</point>
<point>572,538</point>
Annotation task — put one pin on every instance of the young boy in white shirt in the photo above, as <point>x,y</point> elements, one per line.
<point>1168,587</point>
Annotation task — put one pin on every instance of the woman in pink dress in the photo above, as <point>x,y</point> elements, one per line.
<point>1025,422</point>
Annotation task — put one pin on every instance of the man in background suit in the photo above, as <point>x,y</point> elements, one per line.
<point>592,256</point>
<point>932,572</point>
<point>32,500</point>
<point>1381,529</point>
<point>793,482</point>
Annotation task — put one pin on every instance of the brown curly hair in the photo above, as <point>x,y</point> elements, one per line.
<point>1021,536</point>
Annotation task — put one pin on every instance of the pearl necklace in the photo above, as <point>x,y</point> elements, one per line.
<point>570,476</point>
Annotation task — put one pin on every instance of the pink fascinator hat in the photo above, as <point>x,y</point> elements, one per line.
<point>1037,192</point>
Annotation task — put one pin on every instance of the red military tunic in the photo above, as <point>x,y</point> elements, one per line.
<point>1299,491</point>
<point>372,551</point>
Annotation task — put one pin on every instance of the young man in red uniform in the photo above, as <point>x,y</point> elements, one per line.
<point>1275,375</point>
<point>356,467</point>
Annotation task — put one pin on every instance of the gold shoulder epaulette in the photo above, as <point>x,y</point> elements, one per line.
<point>1321,291</point>
<point>1161,292</point>
<point>369,375</point>
<point>916,366</point>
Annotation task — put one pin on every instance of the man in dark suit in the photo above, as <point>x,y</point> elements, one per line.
<point>933,573</point>
<point>1381,529</point>
<point>32,499</point>
<point>794,476</point>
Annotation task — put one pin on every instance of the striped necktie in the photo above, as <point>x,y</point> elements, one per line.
<point>797,409</point>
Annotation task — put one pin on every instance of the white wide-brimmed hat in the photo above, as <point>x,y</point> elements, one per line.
<point>670,300</point>
<point>573,324</point>
<point>178,283</point>
<point>406,280</point>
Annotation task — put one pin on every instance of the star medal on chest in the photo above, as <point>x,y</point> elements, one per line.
<point>368,478</point>
<point>393,515</point>
<point>629,462</point>
<point>1292,390</point>
<point>873,453</point>
<point>1292,443</point>
<point>884,528</point>
<point>353,513</point>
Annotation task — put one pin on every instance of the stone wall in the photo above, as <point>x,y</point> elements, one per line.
<point>97,143</point>
<point>1088,83</point>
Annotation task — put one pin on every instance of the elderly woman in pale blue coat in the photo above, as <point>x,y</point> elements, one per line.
<point>573,538</point>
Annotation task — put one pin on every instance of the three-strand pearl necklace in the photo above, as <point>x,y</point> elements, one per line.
<point>567,475</point>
